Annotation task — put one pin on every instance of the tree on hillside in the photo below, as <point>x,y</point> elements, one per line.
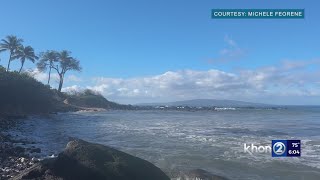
<point>47,60</point>
<point>25,53</point>
<point>10,43</point>
<point>66,63</point>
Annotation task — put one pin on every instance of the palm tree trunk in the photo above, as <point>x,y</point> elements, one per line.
<point>9,62</point>
<point>49,75</point>
<point>61,82</point>
<point>22,63</point>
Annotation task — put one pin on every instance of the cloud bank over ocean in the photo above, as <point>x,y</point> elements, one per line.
<point>291,82</point>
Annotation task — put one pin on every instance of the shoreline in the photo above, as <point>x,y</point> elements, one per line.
<point>14,158</point>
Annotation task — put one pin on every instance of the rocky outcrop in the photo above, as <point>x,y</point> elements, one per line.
<point>82,160</point>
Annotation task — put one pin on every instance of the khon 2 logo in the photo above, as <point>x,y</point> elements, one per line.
<point>279,148</point>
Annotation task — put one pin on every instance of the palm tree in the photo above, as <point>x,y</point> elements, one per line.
<point>66,63</point>
<point>25,53</point>
<point>47,59</point>
<point>10,43</point>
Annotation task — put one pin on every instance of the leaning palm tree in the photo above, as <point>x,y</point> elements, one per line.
<point>66,63</point>
<point>10,43</point>
<point>47,60</point>
<point>25,53</point>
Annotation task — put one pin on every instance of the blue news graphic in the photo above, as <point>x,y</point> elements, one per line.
<point>294,148</point>
<point>279,148</point>
<point>286,148</point>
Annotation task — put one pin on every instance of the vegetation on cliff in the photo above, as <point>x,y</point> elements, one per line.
<point>21,94</point>
<point>89,99</point>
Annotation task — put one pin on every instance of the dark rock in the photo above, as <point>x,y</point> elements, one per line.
<point>82,160</point>
<point>197,174</point>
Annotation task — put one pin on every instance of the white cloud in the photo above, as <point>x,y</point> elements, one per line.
<point>188,84</point>
<point>279,84</point>
<point>230,41</point>
<point>73,78</point>
<point>43,76</point>
<point>231,52</point>
<point>101,88</point>
<point>74,88</point>
<point>293,65</point>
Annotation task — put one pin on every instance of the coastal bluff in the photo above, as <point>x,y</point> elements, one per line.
<point>82,160</point>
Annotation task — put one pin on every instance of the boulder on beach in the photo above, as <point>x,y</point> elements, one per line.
<point>82,160</point>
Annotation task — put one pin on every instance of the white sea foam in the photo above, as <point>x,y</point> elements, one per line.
<point>224,108</point>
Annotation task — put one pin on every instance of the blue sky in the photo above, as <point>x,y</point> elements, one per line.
<point>122,41</point>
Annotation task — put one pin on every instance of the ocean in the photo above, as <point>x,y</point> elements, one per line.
<point>181,140</point>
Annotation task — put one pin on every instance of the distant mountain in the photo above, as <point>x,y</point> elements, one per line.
<point>207,103</point>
